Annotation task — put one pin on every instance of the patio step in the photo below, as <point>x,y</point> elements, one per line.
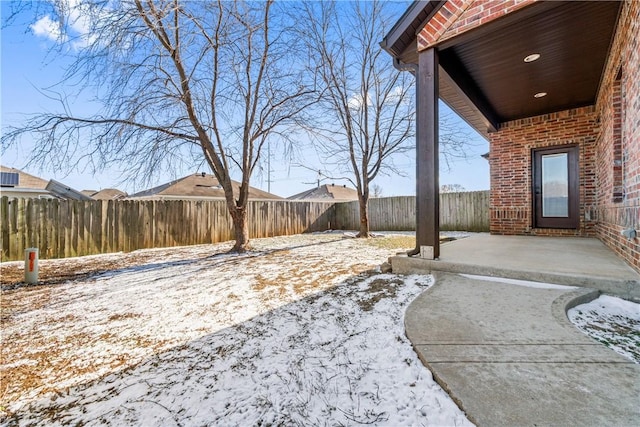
<point>574,261</point>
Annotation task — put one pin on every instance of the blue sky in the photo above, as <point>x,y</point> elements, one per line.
<point>29,65</point>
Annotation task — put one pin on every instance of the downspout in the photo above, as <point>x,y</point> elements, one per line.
<point>413,69</point>
<point>400,66</point>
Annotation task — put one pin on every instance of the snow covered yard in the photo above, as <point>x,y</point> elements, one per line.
<point>612,321</point>
<point>301,331</point>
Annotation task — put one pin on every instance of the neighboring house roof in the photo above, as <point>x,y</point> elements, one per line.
<point>25,180</point>
<point>200,185</point>
<point>483,74</point>
<point>105,194</point>
<point>61,190</point>
<point>14,192</point>
<point>327,192</point>
<point>16,183</point>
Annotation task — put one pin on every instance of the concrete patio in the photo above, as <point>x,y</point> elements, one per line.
<point>575,261</point>
<point>507,354</point>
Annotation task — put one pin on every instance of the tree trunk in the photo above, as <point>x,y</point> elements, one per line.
<point>240,229</point>
<point>364,217</point>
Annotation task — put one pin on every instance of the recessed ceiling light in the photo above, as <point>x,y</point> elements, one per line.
<point>532,57</point>
<point>540,94</point>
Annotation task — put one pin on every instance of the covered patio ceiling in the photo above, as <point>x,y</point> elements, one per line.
<point>483,75</point>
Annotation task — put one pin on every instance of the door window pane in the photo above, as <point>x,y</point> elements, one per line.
<point>555,185</point>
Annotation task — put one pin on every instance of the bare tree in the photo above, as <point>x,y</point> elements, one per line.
<point>367,109</point>
<point>212,80</point>
<point>451,188</point>
<point>377,191</point>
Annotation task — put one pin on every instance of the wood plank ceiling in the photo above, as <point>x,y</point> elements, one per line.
<point>486,79</point>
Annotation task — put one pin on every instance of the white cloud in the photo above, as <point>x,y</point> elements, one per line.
<point>77,29</point>
<point>356,102</point>
<point>398,95</point>
<point>47,28</point>
<point>80,23</point>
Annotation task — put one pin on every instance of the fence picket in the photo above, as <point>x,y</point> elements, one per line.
<point>63,228</point>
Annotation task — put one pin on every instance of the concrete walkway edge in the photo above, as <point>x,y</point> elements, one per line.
<point>509,356</point>
<point>574,261</point>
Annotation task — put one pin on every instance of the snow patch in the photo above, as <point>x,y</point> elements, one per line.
<point>301,331</point>
<point>612,321</point>
<point>526,283</point>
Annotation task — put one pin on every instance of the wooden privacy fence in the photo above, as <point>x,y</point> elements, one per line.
<point>65,228</point>
<point>468,211</point>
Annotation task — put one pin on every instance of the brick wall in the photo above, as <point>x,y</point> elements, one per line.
<point>459,16</point>
<point>511,146</point>
<point>608,136</point>
<point>618,145</point>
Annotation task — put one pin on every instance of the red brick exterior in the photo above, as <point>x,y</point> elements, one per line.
<point>618,144</point>
<point>608,136</point>
<point>511,210</point>
<point>459,16</point>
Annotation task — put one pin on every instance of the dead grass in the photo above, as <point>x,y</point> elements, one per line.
<point>31,298</point>
<point>619,332</point>
<point>393,242</point>
<point>125,316</point>
<point>378,290</point>
<point>56,271</point>
<point>301,277</point>
<point>399,242</point>
<point>49,354</point>
<point>34,354</point>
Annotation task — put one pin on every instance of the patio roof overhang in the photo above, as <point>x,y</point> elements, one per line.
<point>482,72</point>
